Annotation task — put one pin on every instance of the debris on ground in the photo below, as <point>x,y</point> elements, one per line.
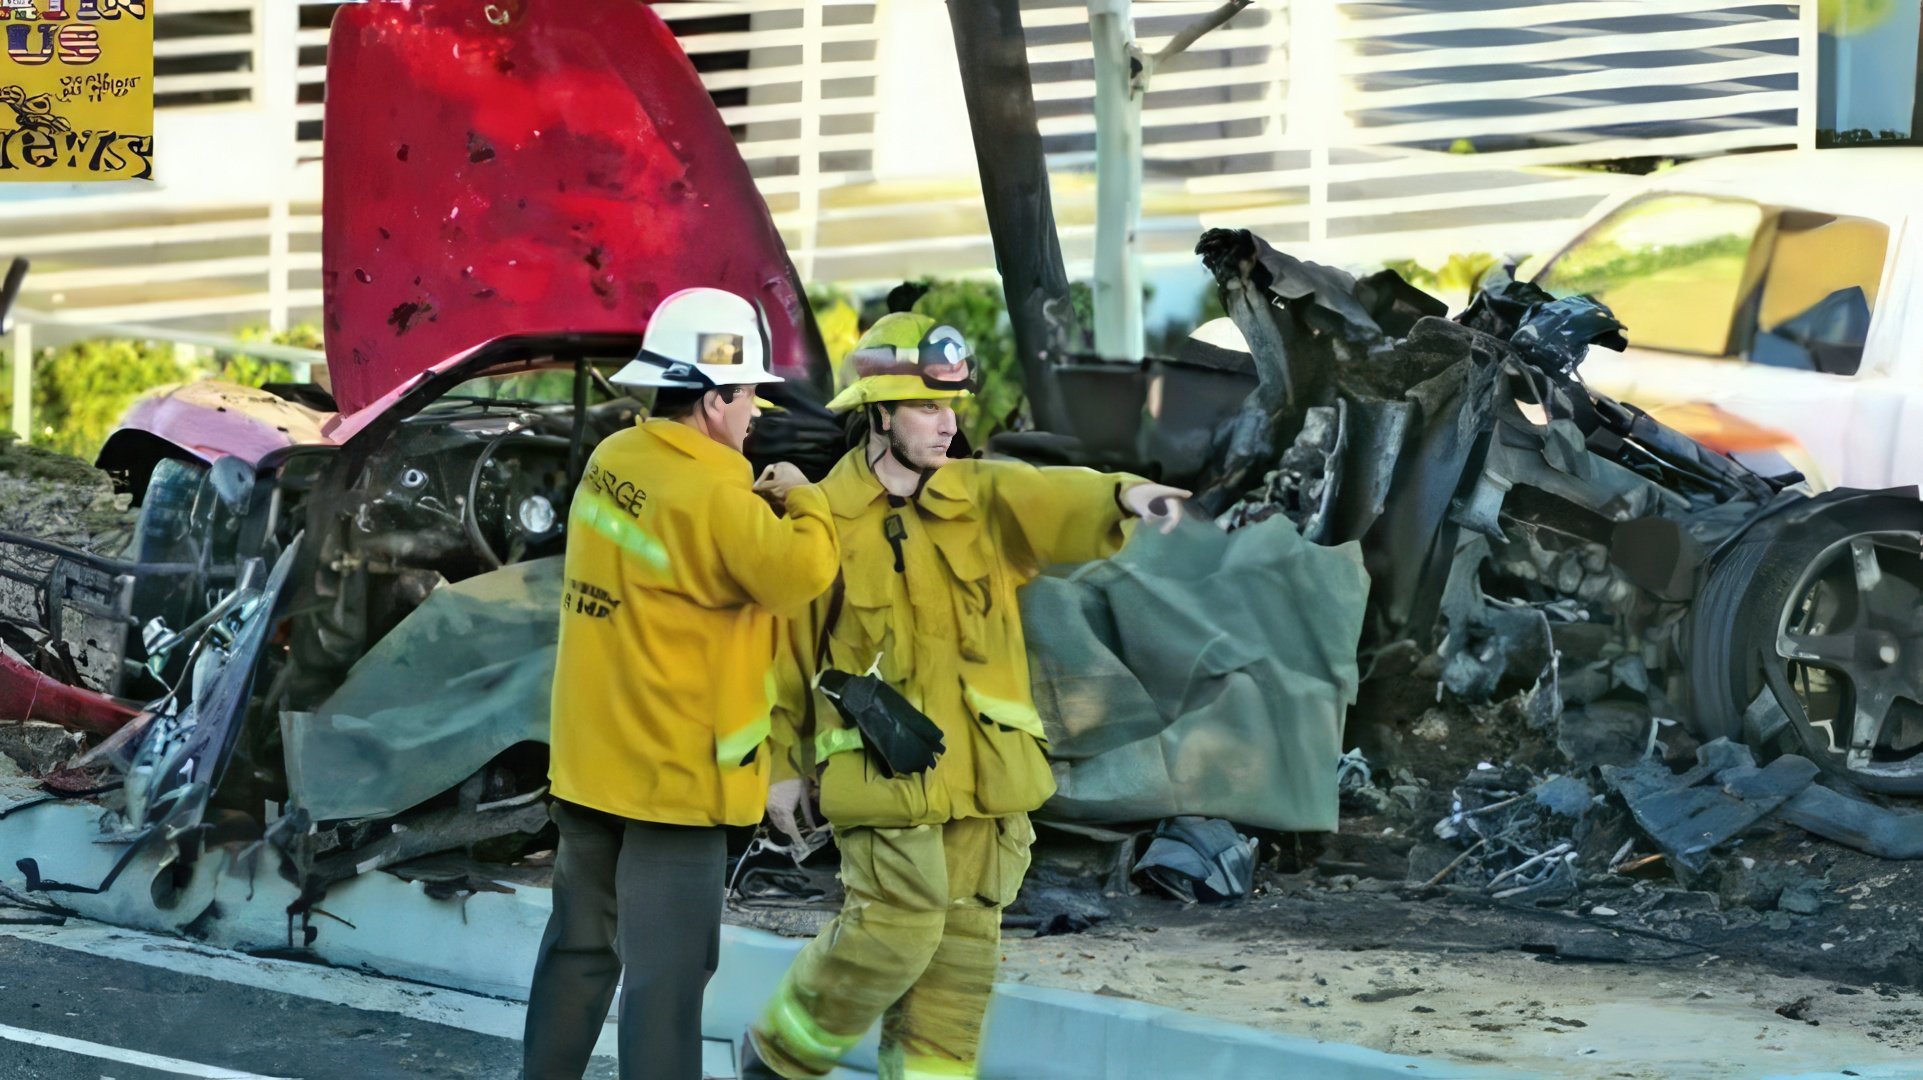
<point>61,499</point>
<point>1199,860</point>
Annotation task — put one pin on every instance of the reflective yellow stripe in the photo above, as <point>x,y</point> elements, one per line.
<point>837,740</point>
<point>730,750</point>
<point>801,1036</point>
<point>932,1068</point>
<point>1019,715</point>
<point>618,528</point>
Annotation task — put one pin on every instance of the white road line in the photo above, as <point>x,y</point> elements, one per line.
<point>127,1057</point>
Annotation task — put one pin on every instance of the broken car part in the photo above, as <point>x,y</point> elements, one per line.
<point>1543,540</point>
<point>1200,860</point>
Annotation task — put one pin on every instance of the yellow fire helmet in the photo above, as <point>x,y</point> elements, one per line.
<point>908,357</point>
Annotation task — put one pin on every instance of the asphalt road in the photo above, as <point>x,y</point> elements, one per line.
<point>108,1017</point>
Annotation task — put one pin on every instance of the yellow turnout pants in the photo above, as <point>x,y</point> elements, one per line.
<point>916,945</point>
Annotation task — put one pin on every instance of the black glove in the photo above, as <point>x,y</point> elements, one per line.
<point>902,740</point>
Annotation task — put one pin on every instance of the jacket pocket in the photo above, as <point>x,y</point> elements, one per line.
<point>972,580</point>
<point>1012,774</point>
<point>855,794</point>
<point>863,632</point>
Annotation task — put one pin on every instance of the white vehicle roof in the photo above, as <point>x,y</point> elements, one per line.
<point>1885,183</point>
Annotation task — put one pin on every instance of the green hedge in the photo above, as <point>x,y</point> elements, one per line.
<point>81,390</point>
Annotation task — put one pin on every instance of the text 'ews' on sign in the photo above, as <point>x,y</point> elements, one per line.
<point>77,90</point>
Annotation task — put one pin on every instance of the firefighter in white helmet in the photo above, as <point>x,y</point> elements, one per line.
<point>677,574</point>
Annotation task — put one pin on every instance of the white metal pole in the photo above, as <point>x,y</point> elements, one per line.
<point>810,164</point>
<point>22,346</point>
<point>1809,78</point>
<point>1118,181</point>
<point>1316,96</point>
<point>277,39</point>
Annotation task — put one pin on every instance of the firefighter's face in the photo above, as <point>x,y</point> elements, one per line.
<point>922,432</point>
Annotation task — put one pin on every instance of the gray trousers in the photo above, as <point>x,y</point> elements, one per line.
<point>630,895</point>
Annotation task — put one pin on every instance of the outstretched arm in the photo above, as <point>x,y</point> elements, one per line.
<point>1059,515</point>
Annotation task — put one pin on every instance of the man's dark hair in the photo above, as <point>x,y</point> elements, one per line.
<point>676,403</point>
<point>903,296</point>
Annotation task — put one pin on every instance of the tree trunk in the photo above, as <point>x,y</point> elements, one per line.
<point>1021,216</point>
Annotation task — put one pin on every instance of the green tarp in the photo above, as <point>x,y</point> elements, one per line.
<point>1203,672</point>
<point>463,677</point>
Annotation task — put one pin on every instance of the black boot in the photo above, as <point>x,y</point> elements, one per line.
<point>748,1064</point>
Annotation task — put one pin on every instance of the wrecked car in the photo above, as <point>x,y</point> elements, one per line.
<point>319,574</point>
<point>1524,533</point>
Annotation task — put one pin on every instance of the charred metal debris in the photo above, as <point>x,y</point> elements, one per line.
<point>1622,619</point>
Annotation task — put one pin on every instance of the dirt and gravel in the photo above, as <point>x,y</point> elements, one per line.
<point>58,498</point>
<point>1781,954</point>
<point>1637,978</point>
<point>1481,986</point>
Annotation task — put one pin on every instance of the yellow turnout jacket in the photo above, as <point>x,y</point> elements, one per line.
<point>676,574</point>
<point>928,590</point>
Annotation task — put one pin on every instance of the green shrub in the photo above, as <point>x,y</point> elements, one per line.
<point>1826,137</point>
<point>978,309</point>
<point>81,391</point>
<point>838,316</point>
<point>975,308</point>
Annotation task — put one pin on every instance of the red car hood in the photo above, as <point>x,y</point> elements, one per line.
<point>527,167</point>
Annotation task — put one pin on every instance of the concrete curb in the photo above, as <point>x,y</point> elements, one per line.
<point>1042,1034</point>
<point>486,944</point>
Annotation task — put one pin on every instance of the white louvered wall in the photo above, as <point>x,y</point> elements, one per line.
<point>1322,123</point>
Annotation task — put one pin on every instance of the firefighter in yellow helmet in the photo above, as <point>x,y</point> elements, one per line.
<point>677,575</point>
<point>932,551</point>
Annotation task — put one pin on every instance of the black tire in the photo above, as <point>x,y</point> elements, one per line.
<point>173,518</point>
<point>1734,628</point>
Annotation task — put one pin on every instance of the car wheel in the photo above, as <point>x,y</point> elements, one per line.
<point>1830,608</point>
<point>169,531</point>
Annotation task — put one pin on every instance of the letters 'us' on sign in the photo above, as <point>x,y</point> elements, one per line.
<point>76,90</point>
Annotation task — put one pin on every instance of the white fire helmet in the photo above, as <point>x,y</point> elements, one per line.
<point>700,339</point>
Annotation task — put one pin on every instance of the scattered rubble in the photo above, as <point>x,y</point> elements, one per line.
<point>1199,860</point>
<point>60,499</point>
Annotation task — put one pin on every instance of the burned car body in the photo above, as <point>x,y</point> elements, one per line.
<point>494,242</point>
<point>1526,535</point>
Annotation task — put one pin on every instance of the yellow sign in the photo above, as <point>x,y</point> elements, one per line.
<point>76,90</point>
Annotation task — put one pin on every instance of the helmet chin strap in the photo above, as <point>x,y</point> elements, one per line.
<point>704,425</point>
<point>895,450</point>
